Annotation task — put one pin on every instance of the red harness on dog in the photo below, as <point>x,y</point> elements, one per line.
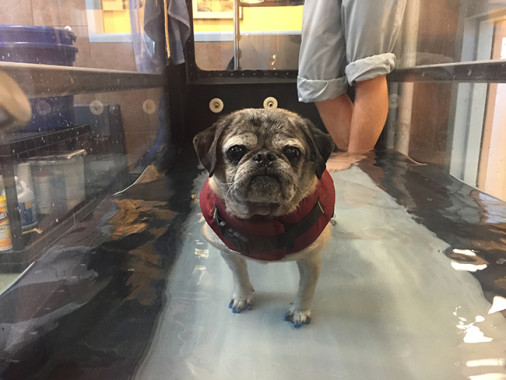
<point>271,239</point>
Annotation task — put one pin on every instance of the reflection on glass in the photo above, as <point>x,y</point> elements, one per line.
<point>268,37</point>
<point>111,34</point>
<point>457,126</point>
<point>455,31</point>
<point>77,146</point>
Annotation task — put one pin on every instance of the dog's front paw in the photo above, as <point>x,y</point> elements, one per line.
<point>298,318</point>
<point>241,302</point>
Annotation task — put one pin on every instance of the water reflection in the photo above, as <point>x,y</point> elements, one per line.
<point>101,283</point>
<point>473,334</point>
<point>498,304</point>
<point>469,221</point>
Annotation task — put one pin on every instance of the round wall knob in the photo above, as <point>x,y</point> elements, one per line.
<point>270,102</point>
<point>216,105</point>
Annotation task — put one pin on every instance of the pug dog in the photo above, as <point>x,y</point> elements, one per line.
<point>268,198</point>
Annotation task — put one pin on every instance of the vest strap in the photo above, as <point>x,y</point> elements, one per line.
<point>245,245</point>
<point>285,240</point>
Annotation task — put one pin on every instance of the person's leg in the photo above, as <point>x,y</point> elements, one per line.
<point>371,32</point>
<point>369,114</point>
<point>336,115</point>
<point>356,127</point>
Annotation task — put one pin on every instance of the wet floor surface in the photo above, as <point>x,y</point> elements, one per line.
<point>412,287</point>
<point>389,305</point>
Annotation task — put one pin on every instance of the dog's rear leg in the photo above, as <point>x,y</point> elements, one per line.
<point>242,298</point>
<point>300,311</point>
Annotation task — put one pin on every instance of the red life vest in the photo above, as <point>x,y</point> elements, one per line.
<point>271,239</point>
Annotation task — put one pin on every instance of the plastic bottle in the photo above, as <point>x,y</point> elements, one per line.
<point>43,188</point>
<point>5,229</point>
<point>26,201</point>
<point>26,197</point>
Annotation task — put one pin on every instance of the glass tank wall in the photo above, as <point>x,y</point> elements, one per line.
<point>463,41</point>
<point>81,109</point>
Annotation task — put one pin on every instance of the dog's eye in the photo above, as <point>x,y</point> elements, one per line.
<point>291,152</point>
<point>236,152</point>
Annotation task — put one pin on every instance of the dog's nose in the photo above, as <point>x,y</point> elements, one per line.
<point>264,158</point>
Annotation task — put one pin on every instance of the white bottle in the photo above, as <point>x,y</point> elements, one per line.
<point>26,196</point>
<point>43,187</point>
<point>26,202</point>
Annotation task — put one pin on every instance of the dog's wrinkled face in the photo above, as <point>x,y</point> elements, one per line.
<point>263,162</point>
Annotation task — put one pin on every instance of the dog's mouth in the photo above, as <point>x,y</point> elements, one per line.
<point>264,189</point>
<point>264,179</point>
<point>262,192</point>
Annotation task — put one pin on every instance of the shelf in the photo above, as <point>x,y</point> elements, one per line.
<point>50,80</point>
<point>22,144</point>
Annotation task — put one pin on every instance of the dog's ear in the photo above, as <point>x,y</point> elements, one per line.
<point>205,144</point>
<point>320,144</point>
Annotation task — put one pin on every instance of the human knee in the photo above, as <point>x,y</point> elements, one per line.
<point>337,102</point>
<point>374,87</point>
